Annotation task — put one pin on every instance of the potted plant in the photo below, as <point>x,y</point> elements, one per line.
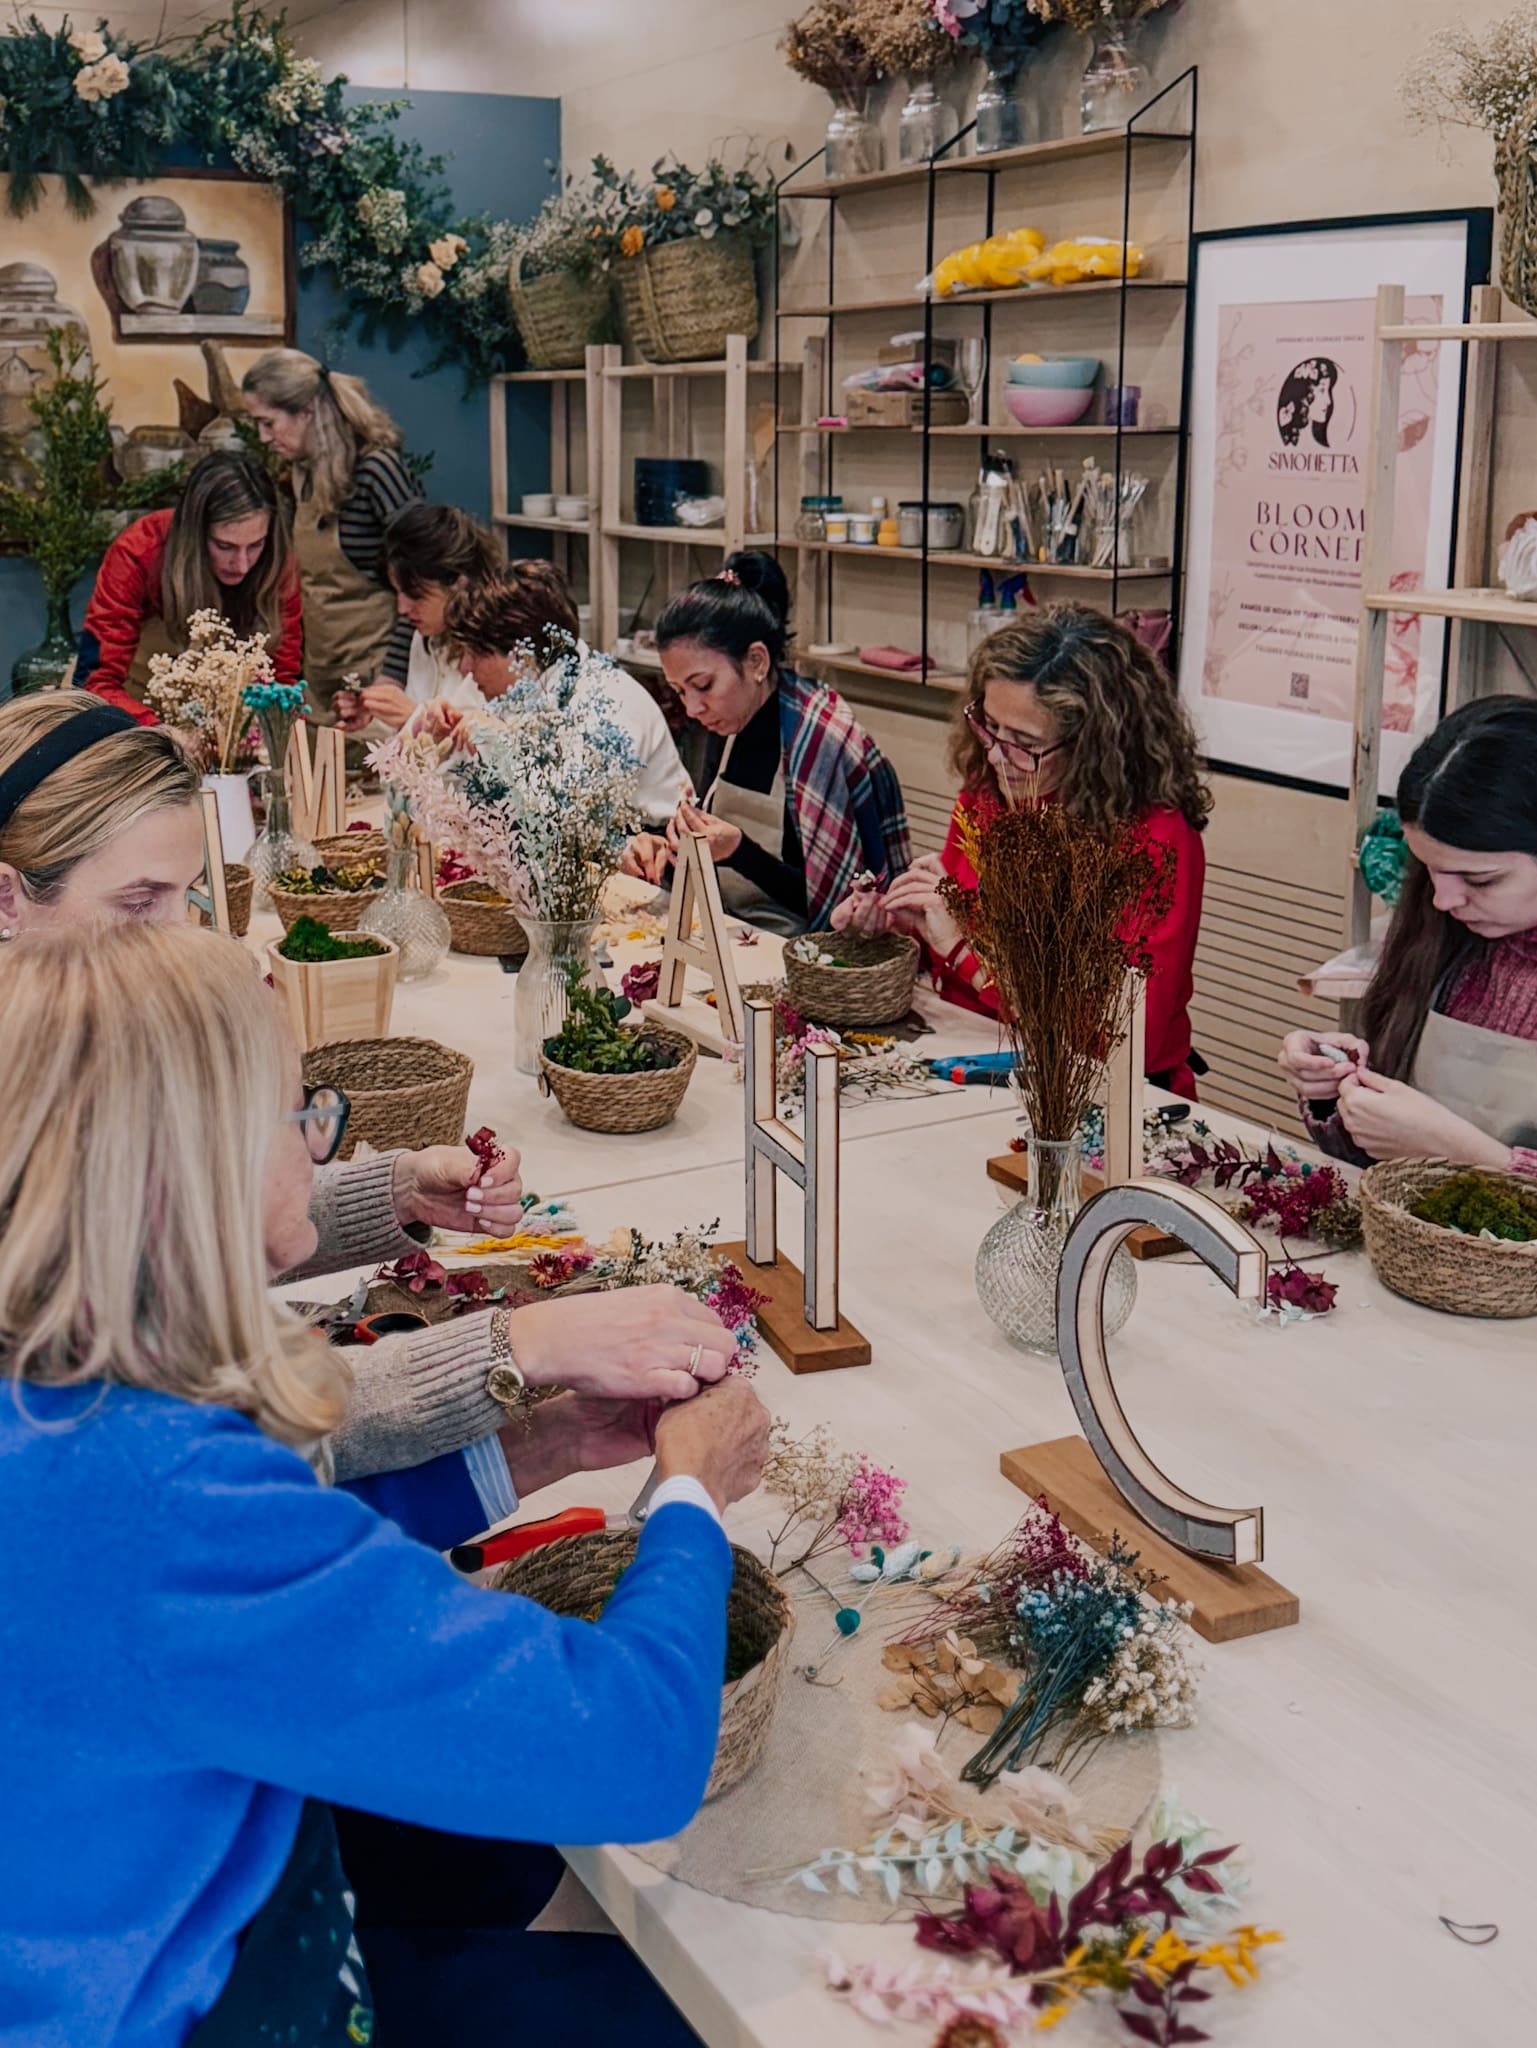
<point>558,270</point>
<point>682,249</point>
<point>611,1076</point>
<point>63,516</point>
<point>334,988</point>
<point>826,47</point>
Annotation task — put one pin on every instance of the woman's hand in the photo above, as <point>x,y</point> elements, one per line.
<point>913,904</point>
<point>348,706</point>
<point>577,1433</point>
<point>721,838</point>
<point>862,911</point>
<point>1391,1120</point>
<point>648,858</point>
<point>630,1343</point>
<point>444,1186</point>
<point>385,703</point>
<point>721,1439</point>
<point>1312,1073</point>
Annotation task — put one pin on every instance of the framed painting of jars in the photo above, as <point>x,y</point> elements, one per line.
<point>174,285</point>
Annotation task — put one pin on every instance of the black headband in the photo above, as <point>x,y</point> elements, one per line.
<point>62,743</point>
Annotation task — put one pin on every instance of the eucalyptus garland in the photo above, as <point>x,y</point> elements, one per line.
<point>94,106</point>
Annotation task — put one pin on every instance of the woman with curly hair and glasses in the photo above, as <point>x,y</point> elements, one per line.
<point>1069,706</point>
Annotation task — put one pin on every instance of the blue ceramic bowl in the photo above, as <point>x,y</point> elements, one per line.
<point>1056,373</point>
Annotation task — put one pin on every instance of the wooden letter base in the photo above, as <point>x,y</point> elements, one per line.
<point>1012,1170</point>
<point>782,1320</point>
<point>1227,1601</point>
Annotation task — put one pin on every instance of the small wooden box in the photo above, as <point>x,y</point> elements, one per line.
<point>335,999</point>
<point>905,409</point>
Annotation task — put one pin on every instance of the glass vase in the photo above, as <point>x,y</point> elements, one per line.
<point>539,1000</point>
<point>853,140</point>
<point>409,920</point>
<point>1115,85</point>
<point>47,666</point>
<point>1000,122</point>
<point>923,126</point>
<point>279,846</point>
<point>1018,1260</point>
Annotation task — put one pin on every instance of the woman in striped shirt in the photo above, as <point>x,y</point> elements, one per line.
<point>349,482</point>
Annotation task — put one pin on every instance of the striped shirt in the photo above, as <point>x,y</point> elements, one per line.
<point>381,484</point>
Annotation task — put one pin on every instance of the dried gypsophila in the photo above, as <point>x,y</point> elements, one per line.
<point>904,38</point>
<point>200,692</point>
<point>1471,78</point>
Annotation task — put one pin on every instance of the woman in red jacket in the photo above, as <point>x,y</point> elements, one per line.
<point>226,547</point>
<point>1069,705</point>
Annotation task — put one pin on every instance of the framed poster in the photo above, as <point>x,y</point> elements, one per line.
<point>1279,372</point>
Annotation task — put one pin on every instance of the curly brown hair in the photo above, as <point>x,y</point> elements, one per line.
<point>1130,745</point>
<point>529,604</point>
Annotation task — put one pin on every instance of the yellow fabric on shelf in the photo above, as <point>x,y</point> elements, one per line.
<point>1074,262</point>
<point>994,265</point>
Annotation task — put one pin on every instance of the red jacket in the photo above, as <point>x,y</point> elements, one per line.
<point>1171,942</point>
<point>128,592</point>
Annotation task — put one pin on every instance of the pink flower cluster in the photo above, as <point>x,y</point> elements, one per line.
<point>1291,1196</point>
<point>870,1510</point>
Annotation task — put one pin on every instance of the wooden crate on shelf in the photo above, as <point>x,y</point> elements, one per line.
<point>905,409</point>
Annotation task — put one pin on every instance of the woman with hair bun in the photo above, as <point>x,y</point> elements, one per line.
<point>799,799</point>
<point>349,482</point>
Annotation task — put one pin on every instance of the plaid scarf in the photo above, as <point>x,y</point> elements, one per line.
<point>843,791</point>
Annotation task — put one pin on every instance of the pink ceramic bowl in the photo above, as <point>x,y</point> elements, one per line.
<point>1044,406</point>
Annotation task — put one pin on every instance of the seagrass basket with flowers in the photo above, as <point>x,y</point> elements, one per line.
<point>852,981</point>
<point>1450,1238</point>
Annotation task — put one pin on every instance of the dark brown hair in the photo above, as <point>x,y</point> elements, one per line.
<point>1471,785</point>
<point>1131,747</point>
<point>222,489</point>
<point>437,544</point>
<point>527,604</point>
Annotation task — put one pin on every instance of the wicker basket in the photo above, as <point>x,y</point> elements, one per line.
<point>405,1092</point>
<point>1439,1268</point>
<point>239,884</point>
<point>619,1103</point>
<point>1515,171</point>
<point>576,1576</point>
<point>877,989</point>
<point>557,315</point>
<point>339,910</point>
<point>681,300</point>
<point>343,849</point>
<point>489,929</point>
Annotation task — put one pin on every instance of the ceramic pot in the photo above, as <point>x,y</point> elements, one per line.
<point>223,284</point>
<point>154,256</point>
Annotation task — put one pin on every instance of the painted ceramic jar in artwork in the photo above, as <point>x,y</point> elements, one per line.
<point>29,310</point>
<point>223,282</point>
<point>154,256</point>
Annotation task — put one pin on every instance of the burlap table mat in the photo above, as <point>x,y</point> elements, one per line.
<point>806,1793</point>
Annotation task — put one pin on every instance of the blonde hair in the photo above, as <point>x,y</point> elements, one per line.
<point>220,491</point>
<point>345,424</point>
<point>146,1074</point>
<point>84,805</point>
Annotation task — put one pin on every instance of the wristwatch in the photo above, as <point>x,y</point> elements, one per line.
<point>505,1382</point>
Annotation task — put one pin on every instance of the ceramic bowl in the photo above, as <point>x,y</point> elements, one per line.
<point>573,509</point>
<point>539,505</point>
<point>1046,408</point>
<point>1057,373</point>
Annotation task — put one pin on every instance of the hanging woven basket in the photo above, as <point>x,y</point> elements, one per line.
<point>1515,171</point>
<point>557,315</point>
<point>681,300</point>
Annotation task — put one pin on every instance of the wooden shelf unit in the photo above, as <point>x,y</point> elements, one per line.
<point>573,394</point>
<point>1026,156</point>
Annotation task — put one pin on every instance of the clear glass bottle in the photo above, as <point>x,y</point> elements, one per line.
<point>1018,1260</point>
<point>924,125</point>
<point>539,999</point>
<point>412,922</point>
<point>279,846</point>
<point>854,145</point>
<point>1000,122</point>
<point>1116,82</point>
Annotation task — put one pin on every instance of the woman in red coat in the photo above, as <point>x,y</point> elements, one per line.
<point>227,548</point>
<point>1070,705</point>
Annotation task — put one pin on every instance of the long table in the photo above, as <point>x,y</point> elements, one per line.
<point>1377,1761</point>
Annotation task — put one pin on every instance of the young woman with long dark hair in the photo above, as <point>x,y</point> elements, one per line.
<point>227,547</point>
<point>800,799</point>
<point>1069,704</point>
<point>1447,1065</point>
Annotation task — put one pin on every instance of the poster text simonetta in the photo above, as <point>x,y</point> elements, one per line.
<point>1289,508</point>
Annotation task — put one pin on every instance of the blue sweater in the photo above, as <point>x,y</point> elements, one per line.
<point>195,1635</point>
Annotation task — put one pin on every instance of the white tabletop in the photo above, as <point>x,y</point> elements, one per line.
<point>1376,1761</point>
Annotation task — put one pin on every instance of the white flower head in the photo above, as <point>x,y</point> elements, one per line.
<point>88,45</point>
<point>706,222</point>
<point>103,80</point>
<point>429,280</point>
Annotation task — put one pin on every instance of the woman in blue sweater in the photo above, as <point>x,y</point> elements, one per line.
<point>203,1647</point>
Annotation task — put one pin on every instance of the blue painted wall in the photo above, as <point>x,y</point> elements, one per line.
<point>496,148</point>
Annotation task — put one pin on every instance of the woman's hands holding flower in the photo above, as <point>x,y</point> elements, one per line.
<point>446,1187</point>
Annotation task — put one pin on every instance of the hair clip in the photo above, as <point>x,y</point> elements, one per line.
<point>730,576</point>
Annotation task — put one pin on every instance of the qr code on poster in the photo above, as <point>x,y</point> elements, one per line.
<point>1299,683</point>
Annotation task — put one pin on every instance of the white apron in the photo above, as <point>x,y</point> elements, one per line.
<point>759,815</point>
<point>1486,1077</point>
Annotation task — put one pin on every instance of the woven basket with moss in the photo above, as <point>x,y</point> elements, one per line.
<point>1451,1238</point>
<point>849,981</point>
<point>611,1076</point>
<point>577,1576</point>
<point>334,896</point>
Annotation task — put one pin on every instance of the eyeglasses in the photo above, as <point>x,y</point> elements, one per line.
<point>324,1117</point>
<point>1014,750</point>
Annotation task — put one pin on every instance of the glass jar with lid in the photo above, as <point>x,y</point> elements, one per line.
<point>811,522</point>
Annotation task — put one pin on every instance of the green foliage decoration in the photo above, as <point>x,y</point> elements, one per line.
<point>1480,1203</point>
<point>309,940</point>
<point>593,1041</point>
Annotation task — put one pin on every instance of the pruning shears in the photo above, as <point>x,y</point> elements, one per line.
<point>527,1536</point>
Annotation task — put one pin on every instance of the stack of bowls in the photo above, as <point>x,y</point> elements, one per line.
<point>1051,391</point>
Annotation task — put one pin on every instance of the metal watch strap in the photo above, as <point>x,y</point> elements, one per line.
<point>505,1382</point>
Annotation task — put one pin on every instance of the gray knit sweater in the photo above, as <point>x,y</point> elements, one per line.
<point>416,1396</point>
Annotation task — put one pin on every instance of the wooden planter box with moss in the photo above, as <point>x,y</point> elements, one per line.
<point>608,1076</point>
<point>333,987</point>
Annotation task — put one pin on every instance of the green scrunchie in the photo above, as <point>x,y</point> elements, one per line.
<point>1384,857</point>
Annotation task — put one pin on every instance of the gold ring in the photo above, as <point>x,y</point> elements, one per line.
<point>694,1358</point>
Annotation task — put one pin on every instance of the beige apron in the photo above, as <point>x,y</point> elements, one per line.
<point>153,639</point>
<point>758,815</point>
<point>348,618</point>
<point>1484,1076</point>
